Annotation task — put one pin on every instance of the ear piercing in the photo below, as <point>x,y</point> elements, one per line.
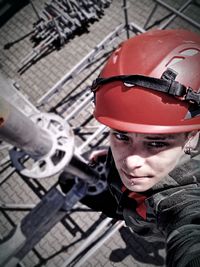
<point>187,150</point>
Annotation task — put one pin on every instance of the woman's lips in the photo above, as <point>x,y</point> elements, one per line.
<point>134,177</point>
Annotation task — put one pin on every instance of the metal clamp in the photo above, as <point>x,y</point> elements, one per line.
<point>59,155</point>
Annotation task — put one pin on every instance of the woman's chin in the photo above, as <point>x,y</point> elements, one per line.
<point>139,185</point>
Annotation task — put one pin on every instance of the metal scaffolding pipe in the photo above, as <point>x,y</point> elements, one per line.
<point>22,132</point>
<point>80,66</point>
<point>181,9</point>
<point>99,130</point>
<point>88,241</point>
<point>111,231</point>
<point>178,13</point>
<point>79,107</point>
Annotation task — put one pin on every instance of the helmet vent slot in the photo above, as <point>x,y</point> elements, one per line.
<point>189,52</point>
<point>174,61</point>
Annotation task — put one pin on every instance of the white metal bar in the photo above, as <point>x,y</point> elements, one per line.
<point>134,27</point>
<point>80,66</point>
<point>15,206</point>
<point>79,107</point>
<point>113,229</point>
<point>100,129</point>
<point>178,13</point>
<point>182,8</point>
<point>88,241</point>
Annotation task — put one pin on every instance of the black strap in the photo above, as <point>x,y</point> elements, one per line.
<point>164,85</point>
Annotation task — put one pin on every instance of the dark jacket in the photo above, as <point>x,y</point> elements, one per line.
<point>171,209</point>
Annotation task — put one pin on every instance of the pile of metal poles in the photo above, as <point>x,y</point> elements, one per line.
<point>59,21</point>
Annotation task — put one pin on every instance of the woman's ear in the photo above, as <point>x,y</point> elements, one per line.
<point>192,145</point>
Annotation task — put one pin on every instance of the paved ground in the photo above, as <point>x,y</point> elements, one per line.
<point>123,248</point>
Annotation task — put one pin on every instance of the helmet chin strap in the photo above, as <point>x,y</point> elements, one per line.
<point>166,84</point>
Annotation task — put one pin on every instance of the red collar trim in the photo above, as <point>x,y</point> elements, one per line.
<point>140,199</point>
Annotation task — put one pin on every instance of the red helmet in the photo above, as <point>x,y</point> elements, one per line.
<point>151,84</point>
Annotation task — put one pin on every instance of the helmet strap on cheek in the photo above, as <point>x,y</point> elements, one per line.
<point>166,84</point>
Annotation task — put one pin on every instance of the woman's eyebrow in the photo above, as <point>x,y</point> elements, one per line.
<point>118,131</point>
<point>149,137</point>
<point>158,137</point>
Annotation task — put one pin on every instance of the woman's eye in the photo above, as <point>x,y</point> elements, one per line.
<point>157,144</point>
<point>121,137</point>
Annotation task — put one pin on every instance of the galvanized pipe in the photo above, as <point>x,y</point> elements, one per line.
<point>87,100</point>
<point>22,132</point>
<point>181,9</point>
<point>178,13</point>
<point>99,130</point>
<point>79,67</point>
<point>14,206</point>
<point>111,231</point>
<point>87,242</point>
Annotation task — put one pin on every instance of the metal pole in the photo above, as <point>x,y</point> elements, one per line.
<point>178,13</point>
<point>35,10</point>
<point>22,132</point>
<point>88,241</point>
<point>80,66</point>
<point>14,206</point>
<point>126,18</point>
<point>99,130</point>
<point>149,17</point>
<point>181,9</point>
<point>32,228</point>
<point>87,100</point>
<point>112,230</point>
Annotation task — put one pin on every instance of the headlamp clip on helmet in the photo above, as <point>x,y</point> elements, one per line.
<point>166,84</point>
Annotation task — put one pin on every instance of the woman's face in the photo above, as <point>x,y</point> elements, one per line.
<point>143,160</point>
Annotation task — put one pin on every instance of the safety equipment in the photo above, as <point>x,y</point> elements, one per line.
<point>151,84</point>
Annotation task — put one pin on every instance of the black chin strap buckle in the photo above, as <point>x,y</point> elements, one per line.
<point>169,75</point>
<point>192,96</point>
<point>175,88</point>
<point>180,90</point>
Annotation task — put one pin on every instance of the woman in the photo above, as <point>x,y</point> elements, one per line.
<point>148,95</point>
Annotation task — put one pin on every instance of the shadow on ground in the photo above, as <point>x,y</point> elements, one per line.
<point>140,249</point>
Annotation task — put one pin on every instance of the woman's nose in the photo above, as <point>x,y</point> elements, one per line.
<point>132,162</point>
